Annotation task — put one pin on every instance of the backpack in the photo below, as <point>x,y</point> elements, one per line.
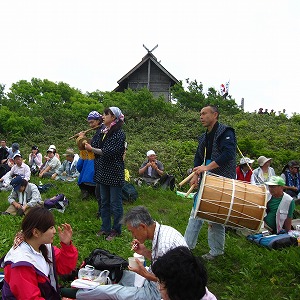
<point>58,202</point>
<point>274,241</point>
<point>102,260</point>
<point>129,192</point>
<point>167,181</point>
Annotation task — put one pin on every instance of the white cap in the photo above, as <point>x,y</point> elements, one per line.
<point>150,152</point>
<point>17,154</point>
<point>52,147</point>
<point>246,160</point>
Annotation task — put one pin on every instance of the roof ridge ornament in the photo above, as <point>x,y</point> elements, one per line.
<point>150,51</point>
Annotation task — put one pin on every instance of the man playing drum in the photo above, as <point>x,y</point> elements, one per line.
<point>216,153</point>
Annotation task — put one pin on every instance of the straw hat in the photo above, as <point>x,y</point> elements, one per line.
<point>262,160</point>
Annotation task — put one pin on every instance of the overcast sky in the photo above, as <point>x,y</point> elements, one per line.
<point>91,44</point>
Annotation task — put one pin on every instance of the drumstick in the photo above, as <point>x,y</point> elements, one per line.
<point>190,190</point>
<point>186,179</point>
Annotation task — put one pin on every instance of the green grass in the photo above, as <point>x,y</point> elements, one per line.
<point>246,271</point>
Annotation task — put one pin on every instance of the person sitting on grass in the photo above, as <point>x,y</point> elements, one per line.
<point>4,168</point>
<point>143,229</point>
<point>264,172</point>
<point>152,172</point>
<point>14,149</point>
<point>19,168</point>
<point>280,207</point>
<point>56,153</point>
<point>51,166</point>
<point>3,151</point>
<point>67,171</point>
<point>31,266</point>
<point>35,160</point>
<point>244,170</point>
<point>291,176</point>
<point>152,169</point>
<point>24,196</point>
<point>181,276</point>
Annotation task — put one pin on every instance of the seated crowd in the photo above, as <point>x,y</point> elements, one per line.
<point>283,191</point>
<point>16,174</point>
<point>151,170</point>
<point>169,251</point>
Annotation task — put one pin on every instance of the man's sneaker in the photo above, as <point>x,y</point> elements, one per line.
<point>208,256</point>
<point>101,233</point>
<point>112,235</point>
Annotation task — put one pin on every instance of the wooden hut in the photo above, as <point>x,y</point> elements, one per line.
<point>151,74</point>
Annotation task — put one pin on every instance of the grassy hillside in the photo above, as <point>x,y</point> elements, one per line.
<point>173,135</point>
<point>246,271</point>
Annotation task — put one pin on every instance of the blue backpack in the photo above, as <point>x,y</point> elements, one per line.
<point>274,241</point>
<point>129,193</point>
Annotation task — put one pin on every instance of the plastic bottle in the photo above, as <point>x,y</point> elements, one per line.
<point>88,272</point>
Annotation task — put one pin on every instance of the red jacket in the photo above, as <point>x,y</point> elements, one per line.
<point>240,175</point>
<point>24,281</point>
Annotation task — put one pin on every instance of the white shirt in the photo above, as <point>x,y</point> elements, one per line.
<point>165,238</point>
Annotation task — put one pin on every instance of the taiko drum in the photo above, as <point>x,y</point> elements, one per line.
<point>231,202</point>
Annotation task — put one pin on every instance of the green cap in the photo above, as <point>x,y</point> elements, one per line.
<point>276,180</point>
